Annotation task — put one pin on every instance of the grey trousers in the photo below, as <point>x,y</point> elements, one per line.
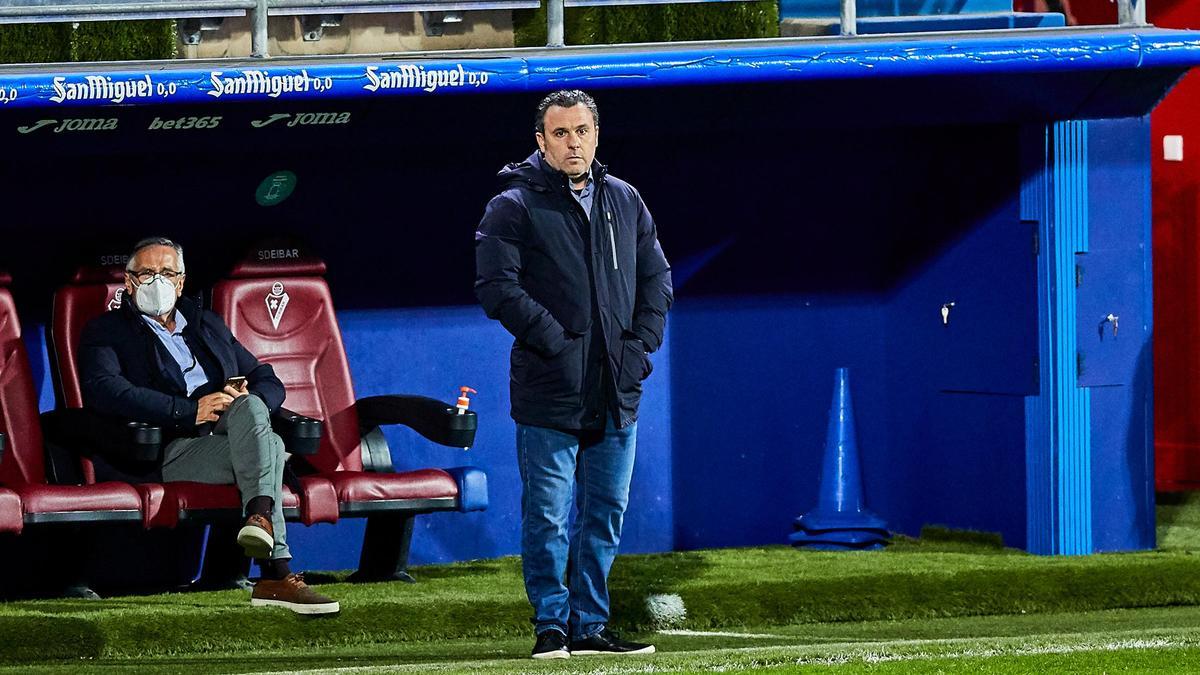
<point>242,451</point>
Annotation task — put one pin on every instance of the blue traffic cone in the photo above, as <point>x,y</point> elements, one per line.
<point>841,519</point>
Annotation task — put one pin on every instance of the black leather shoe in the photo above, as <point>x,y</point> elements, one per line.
<point>551,644</point>
<point>607,642</point>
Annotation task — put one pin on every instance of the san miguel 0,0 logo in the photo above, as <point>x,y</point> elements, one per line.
<point>257,82</point>
<point>101,88</point>
<point>409,76</point>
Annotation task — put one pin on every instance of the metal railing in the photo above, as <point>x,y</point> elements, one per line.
<point>35,11</point>
<point>1129,12</point>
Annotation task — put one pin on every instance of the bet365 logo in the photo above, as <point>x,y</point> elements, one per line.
<point>183,123</point>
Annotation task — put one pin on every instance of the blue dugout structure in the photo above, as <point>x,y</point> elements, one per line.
<point>821,201</point>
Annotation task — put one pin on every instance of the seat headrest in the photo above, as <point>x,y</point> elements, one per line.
<point>96,274</point>
<point>276,259</point>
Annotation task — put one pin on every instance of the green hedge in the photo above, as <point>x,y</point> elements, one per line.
<point>652,23</point>
<point>124,41</point>
<point>101,41</point>
<point>35,43</point>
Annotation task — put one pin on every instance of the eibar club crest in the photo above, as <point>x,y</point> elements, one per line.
<point>277,302</point>
<point>115,303</point>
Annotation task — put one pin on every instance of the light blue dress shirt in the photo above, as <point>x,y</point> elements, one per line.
<point>584,196</point>
<point>193,375</point>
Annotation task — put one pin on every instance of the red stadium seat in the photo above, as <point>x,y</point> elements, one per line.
<point>92,291</point>
<point>280,308</point>
<point>22,467</point>
<point>55,521</point>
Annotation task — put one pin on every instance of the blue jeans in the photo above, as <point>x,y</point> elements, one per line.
<point>597,467</point>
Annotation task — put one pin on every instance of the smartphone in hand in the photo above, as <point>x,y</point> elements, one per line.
<point>237,382</point>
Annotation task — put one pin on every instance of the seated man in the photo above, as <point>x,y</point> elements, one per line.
<point>161,359</point>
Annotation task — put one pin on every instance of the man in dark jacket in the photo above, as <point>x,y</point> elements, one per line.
<point>160,359</point>
<point>567,259</point>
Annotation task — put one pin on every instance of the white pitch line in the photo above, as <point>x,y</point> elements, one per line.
<point>854,652</point>
<point>719,633</point>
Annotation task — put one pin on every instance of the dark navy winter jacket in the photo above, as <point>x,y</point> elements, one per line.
<point>536,272</point>
<point>127,372</point>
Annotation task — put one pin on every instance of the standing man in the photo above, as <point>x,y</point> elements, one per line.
<point>567,259</point>
<point>159,358</point>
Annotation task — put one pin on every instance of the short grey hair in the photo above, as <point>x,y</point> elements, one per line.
<point>155,241</point>
<point>565,98</point>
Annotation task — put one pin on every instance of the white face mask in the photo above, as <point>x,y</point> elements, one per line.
<point>155,297</point>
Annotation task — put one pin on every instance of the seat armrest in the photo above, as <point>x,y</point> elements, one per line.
<point>86,432</point>
<point>472,488</point>
<point>433,419</point>
<point>301,435</point>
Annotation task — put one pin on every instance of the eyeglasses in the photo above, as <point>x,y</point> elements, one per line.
<point>146,275</point>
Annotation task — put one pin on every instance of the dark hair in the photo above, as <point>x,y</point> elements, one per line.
<point>154,241</point>
<point>565,98</point>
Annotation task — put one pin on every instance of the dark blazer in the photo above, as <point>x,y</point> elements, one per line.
<point>127,372</point>
<point>536,274</point>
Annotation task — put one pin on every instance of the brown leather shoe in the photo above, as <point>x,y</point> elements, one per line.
<point>257,537</point>
<point>291,592</point>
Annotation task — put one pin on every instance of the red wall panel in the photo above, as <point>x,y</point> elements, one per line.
<point>1176,195</point>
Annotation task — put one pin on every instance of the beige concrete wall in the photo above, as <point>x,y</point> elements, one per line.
<point>358,34</point>
<point>807,27</point>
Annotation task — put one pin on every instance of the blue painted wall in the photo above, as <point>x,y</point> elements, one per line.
<point>432,352</point>
<point>752,383</point>
<point>1122,411</point>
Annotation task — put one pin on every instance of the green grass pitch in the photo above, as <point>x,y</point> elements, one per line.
<point>948,602</point>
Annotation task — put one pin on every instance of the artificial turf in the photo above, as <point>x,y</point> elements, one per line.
<point>1178,521</point>
<point>1163,639</point>
<point>476,611</point>
<point>722,589</point>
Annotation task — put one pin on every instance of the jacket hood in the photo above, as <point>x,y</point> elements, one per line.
<point>537,174</point>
